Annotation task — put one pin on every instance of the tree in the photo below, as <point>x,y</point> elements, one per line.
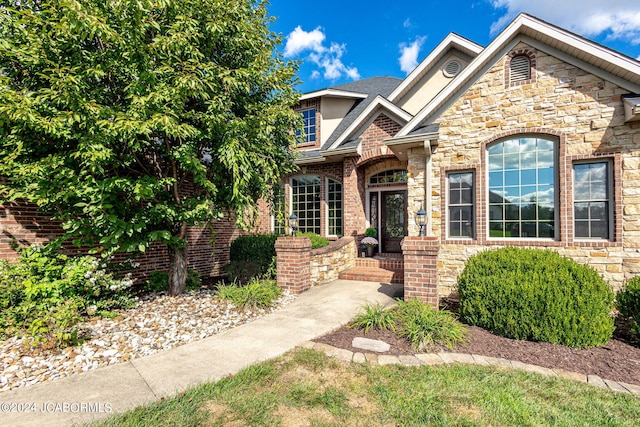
<point>131,120</point>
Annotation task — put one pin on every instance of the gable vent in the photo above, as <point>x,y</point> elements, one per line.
<point>520,69</point>
<point>452,68</point>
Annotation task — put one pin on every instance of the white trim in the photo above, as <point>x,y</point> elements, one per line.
<point>527,25</point>
<point>631,109</point>
<point>333,93</point>
<point>451,41</point>
<point>378,102</point>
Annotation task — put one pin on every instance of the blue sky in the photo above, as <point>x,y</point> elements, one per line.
<point>341,41</point>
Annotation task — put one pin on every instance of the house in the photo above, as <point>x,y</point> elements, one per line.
<point>533,140</point>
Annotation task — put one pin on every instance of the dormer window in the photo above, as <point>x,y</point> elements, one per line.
<point>309,127</point>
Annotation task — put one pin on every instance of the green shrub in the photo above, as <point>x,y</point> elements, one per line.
<point>256,294</point>
<point>252,256</point>
<point>374,316</point>
<point>628,304</point>
<point>371,232</point>
<point>316,240</point>
<point>158,281</point>
<point>536,295</point>
<point>426,328</point>
<point>415,321</point>
<point>45,294</point>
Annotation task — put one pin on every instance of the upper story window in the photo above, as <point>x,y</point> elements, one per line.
<point>309,127</point>
<point>395,176</point>
<point>522,182</point>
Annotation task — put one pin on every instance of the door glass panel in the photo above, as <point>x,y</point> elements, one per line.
<point>394,215</point>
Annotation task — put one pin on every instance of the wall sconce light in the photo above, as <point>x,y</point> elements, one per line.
<point>421,220</point>
<point>293,223</point>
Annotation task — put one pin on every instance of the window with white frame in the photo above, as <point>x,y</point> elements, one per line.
<point>305,202</point>
<point>309,127</point>
<point>592,200</point>
<point>461,204</point>
<point>522,181</point>
<point>334,207</point>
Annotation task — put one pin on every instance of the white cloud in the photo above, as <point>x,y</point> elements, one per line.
<point>328,59</point>
<point>619,19</point>
<point>300,40</point>
<point>409,54</point>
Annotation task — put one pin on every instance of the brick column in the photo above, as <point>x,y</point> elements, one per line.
<point>294,258</point>
<point>421,269</point>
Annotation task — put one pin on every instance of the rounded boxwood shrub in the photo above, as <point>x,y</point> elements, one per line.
<point>536,295</point>
<point>628,303</point>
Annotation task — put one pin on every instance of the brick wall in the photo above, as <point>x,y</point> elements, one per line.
<point>585,114</point>
<point>293,265</point>
<point>23,223</point>
<point>420,269</point>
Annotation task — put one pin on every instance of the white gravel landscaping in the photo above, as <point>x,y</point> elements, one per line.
<point>158,322</point>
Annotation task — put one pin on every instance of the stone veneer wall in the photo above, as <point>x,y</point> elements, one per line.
<point>585,112</point>
<point>327,263</point>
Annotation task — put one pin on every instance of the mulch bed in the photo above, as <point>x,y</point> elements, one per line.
<point>618,360</point>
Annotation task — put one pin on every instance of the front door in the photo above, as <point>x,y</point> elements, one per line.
<point>393,220</point>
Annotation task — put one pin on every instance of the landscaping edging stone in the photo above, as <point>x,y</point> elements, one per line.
<point>447,358</point>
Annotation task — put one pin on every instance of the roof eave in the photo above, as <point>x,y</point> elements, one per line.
<point>333,93</point>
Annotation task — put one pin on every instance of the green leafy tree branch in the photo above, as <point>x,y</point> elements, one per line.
<point>130,121</point>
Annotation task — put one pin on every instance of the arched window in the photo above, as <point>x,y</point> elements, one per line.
<point>395,176</point>
<point>519,69</point>
<point>522,194</point>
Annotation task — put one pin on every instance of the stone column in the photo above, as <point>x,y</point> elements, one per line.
<point>293,265</point>
<point>421,269</point>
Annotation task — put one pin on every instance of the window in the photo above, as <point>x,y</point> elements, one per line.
<point>334,205</point>
<point>592,200</point>
<point>522,201</point>
<point>389,177</point>
<point>309,127</point>
<point>306,203</point>
<point>519,69</point>
<point>461,204</point>
<point>278,210</point>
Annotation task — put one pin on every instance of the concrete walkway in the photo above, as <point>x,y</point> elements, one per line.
<point>100,393</point>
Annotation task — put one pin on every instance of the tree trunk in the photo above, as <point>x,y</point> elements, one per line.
<point>177,270</point>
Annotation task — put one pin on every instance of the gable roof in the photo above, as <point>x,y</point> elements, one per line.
<point>581,52</point>
<point>452,41</point>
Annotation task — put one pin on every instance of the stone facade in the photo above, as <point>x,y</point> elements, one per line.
<point>585,114</point>
<point>327,263</point>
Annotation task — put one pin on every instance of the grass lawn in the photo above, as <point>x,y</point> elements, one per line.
<point>305,387</point>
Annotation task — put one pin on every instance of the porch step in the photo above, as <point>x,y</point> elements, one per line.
<point>382,269</point>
